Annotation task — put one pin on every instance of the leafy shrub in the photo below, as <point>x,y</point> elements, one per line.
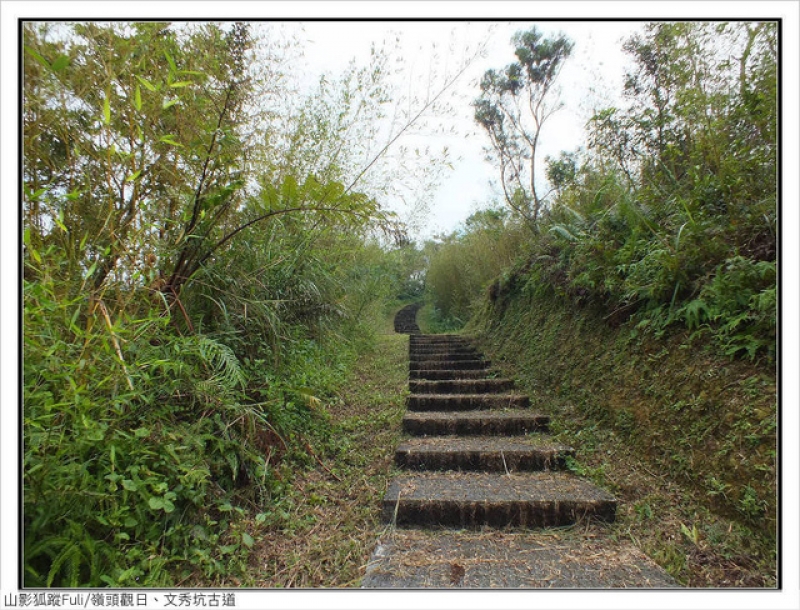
<point>142,445</point>
<point>463,265</point>
<point>738,306</point>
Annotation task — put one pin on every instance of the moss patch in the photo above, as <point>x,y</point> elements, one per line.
<point>688,441</point>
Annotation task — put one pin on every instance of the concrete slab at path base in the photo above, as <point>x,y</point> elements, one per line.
<point>437,559</point>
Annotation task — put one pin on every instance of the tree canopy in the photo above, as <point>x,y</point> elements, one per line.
<point>512,108</point>
<point>204,255</point>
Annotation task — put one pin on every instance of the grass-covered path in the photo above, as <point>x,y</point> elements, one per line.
<point>328,524</point>
<point>326,528</point>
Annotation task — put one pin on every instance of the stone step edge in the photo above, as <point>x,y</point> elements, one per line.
<point>451,374</point>
<point>449,365</point>
<point>474,423</point>
<point>500,501</point>
<point>495,385</point>
<point>457,454</point>
<point>446,358</point>
<point>465,402</point>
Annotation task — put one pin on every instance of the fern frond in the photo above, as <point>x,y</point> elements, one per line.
<point>71,556</point>
<point>218,358</point>
<point>563,232</point>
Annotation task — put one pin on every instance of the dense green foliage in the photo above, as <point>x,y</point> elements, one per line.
<point>197,281</point>
<point>685,439</point>
<point>464,263</point>
<point>670,216</point>
<point>674,217</point>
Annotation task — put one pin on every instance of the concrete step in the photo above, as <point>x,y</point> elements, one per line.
<point>439,347</point>
<point>451,374</point>
<point>474,423</point>
<point>460,365</point>
<point>484,453</point>
<point>461,386</point>
<point>405,320</point>
<point>549,559</point>
<point>472,500</point>
<point>438,351</point>
<point>439,340</point>
<point>465,402</point>
<point>445,357</point>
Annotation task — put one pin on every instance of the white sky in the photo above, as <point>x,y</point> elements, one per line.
<point>592,78</point>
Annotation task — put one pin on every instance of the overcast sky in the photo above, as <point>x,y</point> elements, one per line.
<point>596,62</point>
<point>592,78</point>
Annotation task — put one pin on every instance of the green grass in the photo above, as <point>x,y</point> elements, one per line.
<point>327,525</point>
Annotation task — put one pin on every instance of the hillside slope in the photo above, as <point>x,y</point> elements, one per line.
<point>702,430</point>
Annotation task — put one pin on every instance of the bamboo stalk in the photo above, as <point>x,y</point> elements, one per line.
<point>103,309</point>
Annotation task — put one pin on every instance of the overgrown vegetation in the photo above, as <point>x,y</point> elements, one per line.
<point>199,276</point>
<point>464,263</point>
<point>326,527</point>
<point>678,435</point>
<point>645,296</point>
<point>669,218</point>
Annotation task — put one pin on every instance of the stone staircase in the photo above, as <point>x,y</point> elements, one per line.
<point>405,321</point>
<point>479,424</point>
<point>477,460</point>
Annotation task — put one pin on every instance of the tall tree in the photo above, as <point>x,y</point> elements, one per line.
<point>513,107</point>
<point>697,138</point>
<point>132,143</point>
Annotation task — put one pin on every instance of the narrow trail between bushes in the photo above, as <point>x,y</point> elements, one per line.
<point>485,499</point>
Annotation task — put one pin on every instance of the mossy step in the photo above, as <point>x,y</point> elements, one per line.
<point>471,500</point>
<point>419,342</point>
<point>465,402</point>
<point>445,374</point>
<point>405,320</point>
<point>417,352</point>
<point>489,454</point>
<point>439,340</point>
<point>445,357</point>
<point>462,365</point>
<point>468,423</point>
<point>461,386</point>
<point>442,347</point>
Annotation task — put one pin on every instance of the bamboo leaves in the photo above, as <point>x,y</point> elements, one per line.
<point>107,108</point>
<point>146,83</point>
<point>169,139</point>
<point>137,98</point>
<point>38,57</point>
<point>60,63</point>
